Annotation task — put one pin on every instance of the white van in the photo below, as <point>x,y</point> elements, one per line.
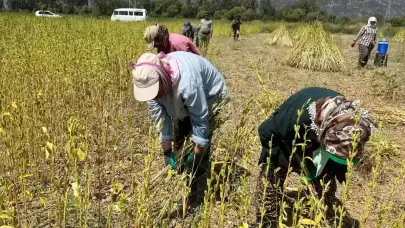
<point>129,14</point>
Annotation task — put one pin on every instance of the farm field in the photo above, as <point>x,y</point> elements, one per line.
<point>79,151</point>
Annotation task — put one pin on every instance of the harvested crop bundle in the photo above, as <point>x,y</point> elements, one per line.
<point>300,32</point>
<point>280,36</point>
<point>400,36</point>
<point>316,50</point>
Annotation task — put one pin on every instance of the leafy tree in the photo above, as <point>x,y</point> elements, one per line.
<point>398,22</point>
<point>294,15</point>
<point>220,14</point>
<point>311,16</point>
<point>247,15</point>
<point>173,10</point>
<point>266,9</point>
<point>236,11</point>
<point>189,11</point>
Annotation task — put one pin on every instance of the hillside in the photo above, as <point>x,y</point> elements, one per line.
<point>356,8</point>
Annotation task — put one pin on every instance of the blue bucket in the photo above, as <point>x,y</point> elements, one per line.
<point>382,47</point>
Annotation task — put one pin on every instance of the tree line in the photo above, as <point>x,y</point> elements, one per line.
<point>300,10</point>
<point>219,9</point>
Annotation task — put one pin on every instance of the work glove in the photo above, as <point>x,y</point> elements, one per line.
<point>353,44</point>
<point>169,159</point>
<point>195,157</point>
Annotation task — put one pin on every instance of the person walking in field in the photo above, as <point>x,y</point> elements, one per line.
<point>181,90</point>
<point>205,30</point>
<point>329,143</point>
<point>157,36</point>
<point>190,31</point>
<point>236,27</point>
<point>367,38</point>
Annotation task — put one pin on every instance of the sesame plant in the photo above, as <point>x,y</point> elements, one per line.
<point>77,150</point>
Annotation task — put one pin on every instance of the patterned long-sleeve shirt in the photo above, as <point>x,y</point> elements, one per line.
<point>367,36</point>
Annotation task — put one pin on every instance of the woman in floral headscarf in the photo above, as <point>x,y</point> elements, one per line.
<point>328,125</point>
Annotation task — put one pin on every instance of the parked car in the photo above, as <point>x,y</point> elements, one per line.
<point>46,13</point>
<point>129,14</point>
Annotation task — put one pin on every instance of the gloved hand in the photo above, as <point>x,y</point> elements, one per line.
<point>169,159</point>
<point>353,43</point>
<point>195,157</point>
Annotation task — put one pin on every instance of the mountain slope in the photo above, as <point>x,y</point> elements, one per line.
<point>356,8</point>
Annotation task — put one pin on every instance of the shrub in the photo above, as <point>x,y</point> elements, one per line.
<point>173,10</point>
<point>294,15</point>
<point>247,15</point>
<point>222,14</point>
<point>390,31</point>
<point>351,29</point>
<point>312,16</point>
<point>332,28</point>
<point>398,22</point>
<point>200,14</point>
<point>188,11</point>
<point>236,11</point>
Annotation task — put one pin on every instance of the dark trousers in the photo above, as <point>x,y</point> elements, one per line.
<point>182,131</point>
<point>236,34</point>
<point>279,160</point>
<point>364,54</point>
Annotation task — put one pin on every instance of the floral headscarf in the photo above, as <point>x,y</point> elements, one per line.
<point>334,120</point>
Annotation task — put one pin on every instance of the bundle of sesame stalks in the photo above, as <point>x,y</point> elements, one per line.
<point>400,36</point>
<point>391,115</point>
<point>316,50</point>
<point>280,36</point>
<point>301,31</point>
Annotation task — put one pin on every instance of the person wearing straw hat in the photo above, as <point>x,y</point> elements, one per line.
<point>189,31</point>
<point>367,38</point>
<point>326,127</point>
<point>205,30</point>
<point>157,36</point>
<point>181,90</point>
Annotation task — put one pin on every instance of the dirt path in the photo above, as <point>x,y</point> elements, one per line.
<point>237,62</point>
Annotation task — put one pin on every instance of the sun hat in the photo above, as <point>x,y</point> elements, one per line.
<point>150,35</point>
<point>146,77</point>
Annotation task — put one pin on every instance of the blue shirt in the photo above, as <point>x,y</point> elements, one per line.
<point>200,86</point>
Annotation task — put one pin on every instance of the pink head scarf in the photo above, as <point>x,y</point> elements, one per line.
<point>168,70</point>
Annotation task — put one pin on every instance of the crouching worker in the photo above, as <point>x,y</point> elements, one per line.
<point>329,117</point>
<point>181,90</point>
<point>157,36</point>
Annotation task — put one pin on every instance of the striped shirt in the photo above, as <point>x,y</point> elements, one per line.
<point>367,35</point>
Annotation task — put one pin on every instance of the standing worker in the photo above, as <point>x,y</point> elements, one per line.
<point>236,27</point>
<point>181,90</point>
<point>329,137</point>
<point>190,31</point>
<point>205,30</point>
<point>157,36</point>
<point>367,38</point>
